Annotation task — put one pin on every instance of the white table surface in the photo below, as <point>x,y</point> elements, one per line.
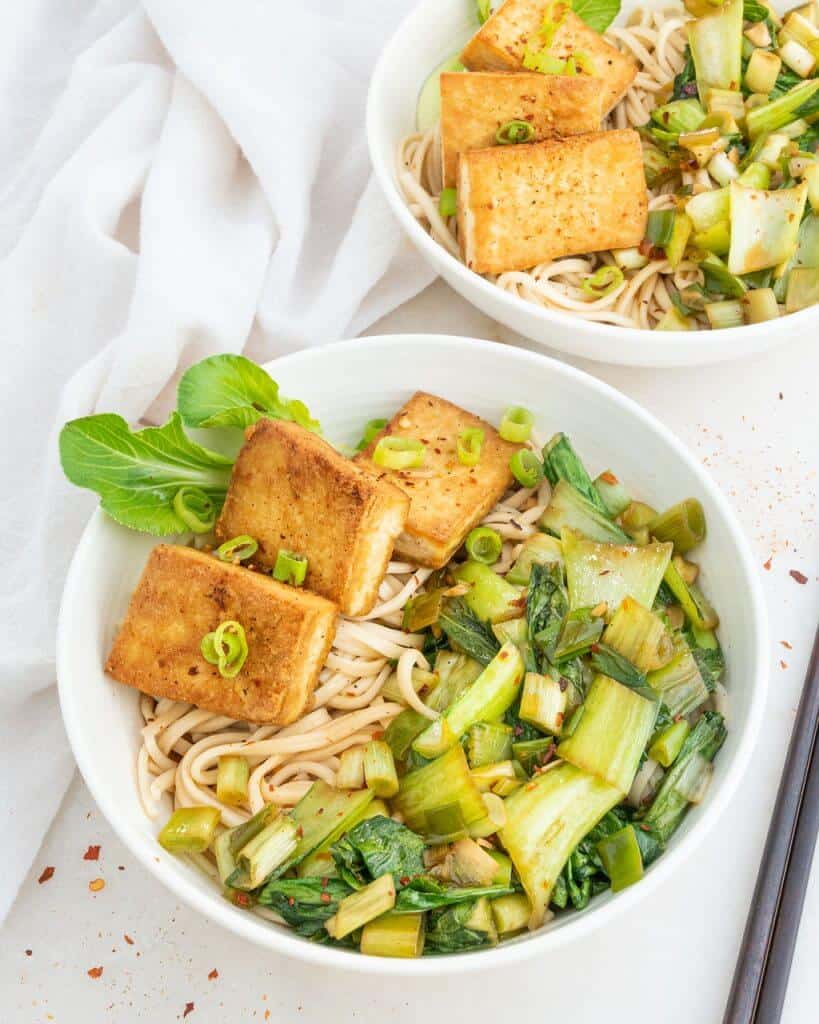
<point>756,426</point>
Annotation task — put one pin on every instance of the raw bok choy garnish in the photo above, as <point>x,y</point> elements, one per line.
<point>569,718</point>
<point>743,116</point>
<point>158,479</point>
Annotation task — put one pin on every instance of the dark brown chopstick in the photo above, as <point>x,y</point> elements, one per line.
<point>764,962</point>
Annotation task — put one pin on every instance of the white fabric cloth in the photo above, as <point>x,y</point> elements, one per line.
<point>177,178</point>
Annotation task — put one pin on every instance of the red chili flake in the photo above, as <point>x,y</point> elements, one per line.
<point>241,899</point>
<point>783,664</point>
<point>645,828</point>
<point>28,952</point>
<point>325,882</point>
<point>404,880</point>
<point>325,897</point>
<point>609,478</point>
<point>378,734</point>
<point>291,900</point>
<point>300,832</point>
<point>786,644</point>
<point>604,572</point>
<point>46,875</point>
<point>563,683</point>
<point>92,853</point>
<point>213,975</point>
<point>95,972</point>
<point>595,648</point>
<point>503,655</point>
<point>128,939</point>
<point>189,1008</point>
<point>767,565</point>
<point>320,811</point>
<point>800,577</point>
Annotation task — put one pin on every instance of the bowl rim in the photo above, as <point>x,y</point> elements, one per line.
<point>701,344</point>
<point>282,940</point>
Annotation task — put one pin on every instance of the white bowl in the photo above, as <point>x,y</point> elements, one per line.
<point>345,385</point>
<point>433,31</point>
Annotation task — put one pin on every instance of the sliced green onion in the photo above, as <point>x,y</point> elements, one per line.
<point>226,647</point>
<point>399,453</point>
<point>660,227</point>
<point>603,282</point>
<point>237,549</point>
<point>448,202</point>
<point>683,524</point>
<point>666,747</point>
<point>269,849</point>
<point>379,769</point>
<point>189,830</point>
<point>484,545</point>
<point>396,935</point>
<point>516,425</point>
<point>470,445</point>
<point>290,568</point>
<point>513,132</point>
<point>621,858</point>
<point>371,428</point>
<point>232,775</point>
<point>526,468</point>
<point>196,510</point>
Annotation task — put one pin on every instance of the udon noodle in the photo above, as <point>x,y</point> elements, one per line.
<point>181,744</point>
<point>656,39</point>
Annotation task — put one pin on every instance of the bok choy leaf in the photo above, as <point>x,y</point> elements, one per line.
<point>137,474</point>
<point>231,391</point>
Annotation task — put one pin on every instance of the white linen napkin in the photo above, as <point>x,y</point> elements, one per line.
<point>176,178</point>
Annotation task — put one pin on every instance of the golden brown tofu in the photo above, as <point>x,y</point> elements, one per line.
<point>475,105</point>
<point>292,490</point>
<point>523,205</point>
<point>185,594</point>
<point>447,498</point>
<point>501,44</point>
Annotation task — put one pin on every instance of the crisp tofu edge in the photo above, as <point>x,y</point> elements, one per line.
<point>348,540</point>
<point>474,105</point>
<point>184,594</point>
<point>426,540</point>
<point>523,205</point>
<point>500,45</point>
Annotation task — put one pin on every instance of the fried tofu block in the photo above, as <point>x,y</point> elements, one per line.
<point>475,105</point>
<point>292,490</point>
<point>523,205</point>
<point>447,498</point>
<point>185,594</point>
<point>501,42</point>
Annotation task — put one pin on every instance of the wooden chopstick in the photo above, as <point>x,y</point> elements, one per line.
<point>764,962</point>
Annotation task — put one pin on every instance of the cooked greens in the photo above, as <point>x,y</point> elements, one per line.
<point>158,480</point>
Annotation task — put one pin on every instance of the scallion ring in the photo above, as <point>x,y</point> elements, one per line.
<point>290,568</point>
<point>514,132</point>
<point>469,446</point>
<point>399,453</point>
<point>484,545</point>
<point>516,425</point>
<point>237,549</point>
<point>371,428</point>
<point>526,468</point>
<point>603,282</point>
<point>448,202</point>
<point>226,647</point>
<point>196,510</point>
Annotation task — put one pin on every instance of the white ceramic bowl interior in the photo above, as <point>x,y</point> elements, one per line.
<point>345,385</point>
<point>433,31</point>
